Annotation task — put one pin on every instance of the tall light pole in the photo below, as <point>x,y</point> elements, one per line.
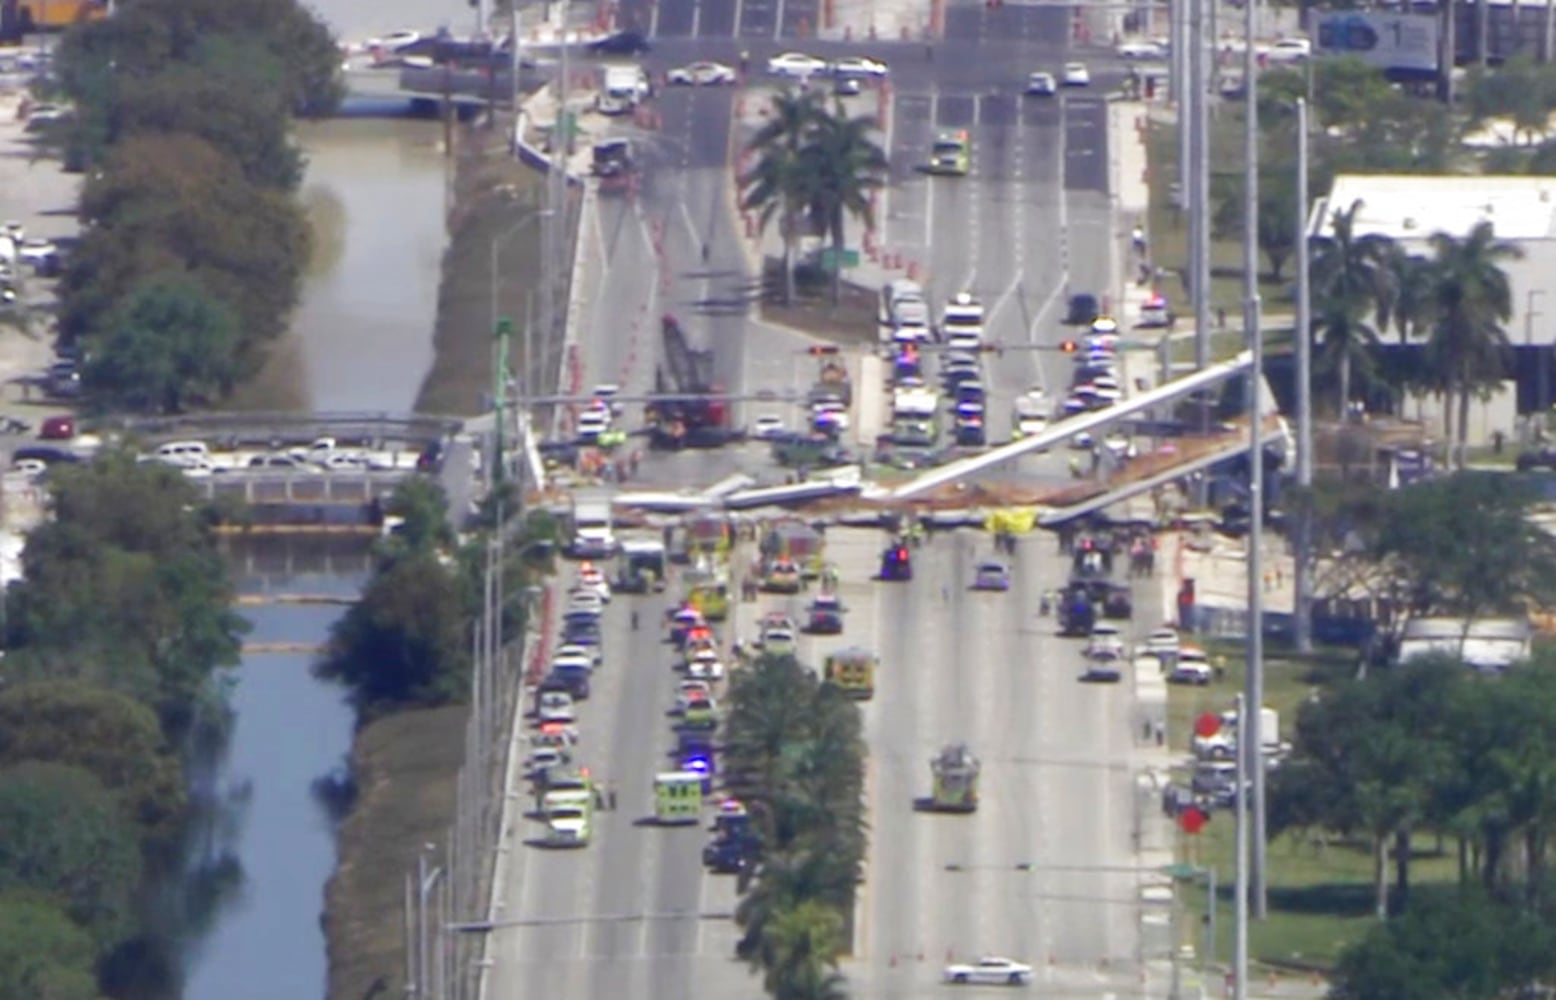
<point>1302,579</point>
<point>1249,742</point>
<point>1240,853</point>
<point>1183,95</point>
<point>1199,197</point>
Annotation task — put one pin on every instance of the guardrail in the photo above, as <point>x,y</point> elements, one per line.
<point>286,428</point>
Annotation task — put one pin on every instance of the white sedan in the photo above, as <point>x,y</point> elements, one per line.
<point>796,65</point>
<point>702,74</point>
<point>1042,85</point>
<point>1141,48</point>
<point>990,970</point>
<point>1076,75</point>
<point>859,66</point>
<point>767,426</point>
<point>705,665</point>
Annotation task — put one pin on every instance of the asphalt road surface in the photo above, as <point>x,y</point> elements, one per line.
<point>959,665</point>
<point>1029,226</point>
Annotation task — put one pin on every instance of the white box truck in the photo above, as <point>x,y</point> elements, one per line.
<point>623,88</point>
<point>593,534</point>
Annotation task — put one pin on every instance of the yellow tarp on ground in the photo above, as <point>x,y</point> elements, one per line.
<point>1012,521</point>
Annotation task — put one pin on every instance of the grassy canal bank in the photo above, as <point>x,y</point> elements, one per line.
<point>405,763</point>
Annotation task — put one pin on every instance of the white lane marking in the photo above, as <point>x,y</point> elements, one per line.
<point>696,20</point>
<point>740,8</point>
<point>653,21</point>
<point>778,21</point>
<point>1006,297</point>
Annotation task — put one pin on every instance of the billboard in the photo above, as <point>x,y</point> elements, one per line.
<point>1391,42</point>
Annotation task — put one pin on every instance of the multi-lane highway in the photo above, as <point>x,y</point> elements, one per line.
<point>1027,227</point>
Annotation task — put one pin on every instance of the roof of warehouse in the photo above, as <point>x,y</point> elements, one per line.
<point>1410,207</point>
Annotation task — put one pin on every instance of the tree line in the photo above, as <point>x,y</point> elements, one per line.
<point>193,242</point>
<point>794,754</point>
<point>115,640</point>
<point>1411,757</point>
<point>813,168</point>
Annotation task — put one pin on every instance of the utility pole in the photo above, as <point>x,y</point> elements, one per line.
<point>1183,95</point>
<point>1302,579</point>
<point>1240,852</point>
<point>553,246</point>
<point>1199,196</point>
<point>1249,738</point>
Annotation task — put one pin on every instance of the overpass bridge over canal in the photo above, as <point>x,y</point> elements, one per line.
<point>244,449</point>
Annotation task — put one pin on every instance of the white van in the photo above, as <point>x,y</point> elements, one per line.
<point>623,89</point>
<point>183,454</point>
<point>961,324</point>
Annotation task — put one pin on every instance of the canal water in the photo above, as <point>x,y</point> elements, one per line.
<point>375,189</point>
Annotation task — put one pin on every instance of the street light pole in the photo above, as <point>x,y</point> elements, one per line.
<point>1302,570</point>
<point>1183,95</point>
<point>1249,739</point>
<point>1199,194</point>
<point>1240,895</point>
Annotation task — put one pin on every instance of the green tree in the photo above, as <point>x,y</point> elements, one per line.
<point>778,184</point>
<point>1368,757</point>
<point>44,955</point>
<point>146,36</point>
<point>407,641</point>
<point>124,588</point>
<point>806,872</point>
<point>222,98</point>
<point>116,739</point>
<point>423,506</point>
<point>1350,279</point>
<point>1495,561</point>
<point>1460,945</point>
<point>66,836</point>
<point>845,165</point>
<point>168,343</point>
<point>1470,301</point>
<point>169,203</point>
<point>803,945</point>
<point>1345,347</point>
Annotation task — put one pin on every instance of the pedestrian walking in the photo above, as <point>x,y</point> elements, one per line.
<point>634,620</point>
<point>610,794</point>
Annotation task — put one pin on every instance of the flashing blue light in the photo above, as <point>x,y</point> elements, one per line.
<point>699,764</point>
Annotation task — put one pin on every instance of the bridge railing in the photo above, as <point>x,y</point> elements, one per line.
<point>267,427</point>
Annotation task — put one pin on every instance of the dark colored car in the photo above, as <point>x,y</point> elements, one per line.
<point>971,435</point>
<point>824,623</point>
<point>1539,458</point>
<point>897,563</point>
<point>729,855</point>
<point>47,456</point>
<point>1084,310</point>
<point>622,43</point>
<point>573,680</point>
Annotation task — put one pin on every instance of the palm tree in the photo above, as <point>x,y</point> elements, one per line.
<point>804,942</point>
<point>845,165</point>
<point>777,185</point>
<point>1469,301</point>
<point>809,872</point>
<point>1350,277</point>
<point>1346,346</point>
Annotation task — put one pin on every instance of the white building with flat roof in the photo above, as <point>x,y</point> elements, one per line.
<point>1410,208</point>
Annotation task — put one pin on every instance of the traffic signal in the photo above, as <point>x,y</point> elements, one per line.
<point>822,349</point>
<point>902,555</point>
<point>1067,346</point>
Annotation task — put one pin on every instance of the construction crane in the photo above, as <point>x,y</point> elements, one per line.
<point>693,420</point>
